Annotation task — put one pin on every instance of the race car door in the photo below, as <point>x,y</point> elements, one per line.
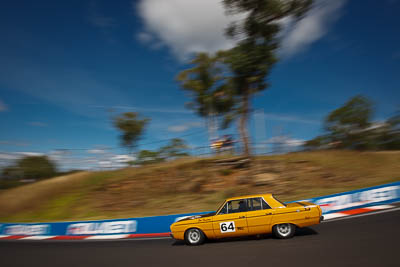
<point>231,219</point>
<point>259,216</point>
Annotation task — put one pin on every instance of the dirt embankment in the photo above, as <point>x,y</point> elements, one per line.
<point>193,184</point>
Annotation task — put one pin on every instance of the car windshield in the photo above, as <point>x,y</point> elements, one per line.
<point>217,210</point>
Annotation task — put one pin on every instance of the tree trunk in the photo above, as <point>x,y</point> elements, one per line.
<point>211,127</point>
<point>244,113</point>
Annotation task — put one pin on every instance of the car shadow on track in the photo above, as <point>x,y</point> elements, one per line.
<point>300,232</point>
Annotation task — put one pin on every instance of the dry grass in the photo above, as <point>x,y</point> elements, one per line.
<point>30,196</point>
<point>192,184</point>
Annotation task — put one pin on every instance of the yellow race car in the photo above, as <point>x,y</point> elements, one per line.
<point>247,215</point>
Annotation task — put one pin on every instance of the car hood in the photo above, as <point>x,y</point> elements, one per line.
<point>196,217</point>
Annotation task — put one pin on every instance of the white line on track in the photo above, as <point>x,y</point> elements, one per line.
<point>361,215</point>
<point>101,237</point>
<point>37,237</point>
<point>123,239</point>
<point>331,216</point>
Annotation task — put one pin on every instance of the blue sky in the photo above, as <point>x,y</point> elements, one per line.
<point>65,64</point>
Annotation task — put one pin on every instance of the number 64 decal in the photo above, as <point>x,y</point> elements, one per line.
<point>227,227</point>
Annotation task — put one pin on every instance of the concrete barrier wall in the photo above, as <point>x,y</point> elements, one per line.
<point>383,194</point>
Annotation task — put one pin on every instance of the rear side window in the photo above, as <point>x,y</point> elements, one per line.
<point>254,204</point>
<point>265,205</point>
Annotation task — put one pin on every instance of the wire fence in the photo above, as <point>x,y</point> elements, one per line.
<point>114,158</point>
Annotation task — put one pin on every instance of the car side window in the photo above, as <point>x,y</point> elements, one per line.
<point>265,206</point>
<point>254,204</point>
<point>234,206</point>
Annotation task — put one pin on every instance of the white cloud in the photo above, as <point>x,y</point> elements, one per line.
<point>186,26</point>
<point>184,127</point>
<point>3,107</point>
<point>189,26</point>
<point>30,154</point>
<point>96,151</point>
<point>123,158</point>
<point>311,28</point>
<point>285,140</point>
<point>7,156</point>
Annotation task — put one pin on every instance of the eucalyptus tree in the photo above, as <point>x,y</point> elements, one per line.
<point>204,81</point>
<point>132,127</point>
<point>257,41</point>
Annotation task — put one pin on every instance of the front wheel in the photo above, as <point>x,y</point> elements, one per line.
<point>194,237</point>
<point>284,230</point>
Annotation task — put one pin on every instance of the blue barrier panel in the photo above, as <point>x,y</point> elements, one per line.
<point>145,225</point>
<point>376,195</point>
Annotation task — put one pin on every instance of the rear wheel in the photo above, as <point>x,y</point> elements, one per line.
<point>284,230</point>
<point>194,237</point>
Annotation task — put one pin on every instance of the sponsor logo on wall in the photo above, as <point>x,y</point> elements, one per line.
<point>360,198</point>
<point>95,228</point>
<point>24,229</point>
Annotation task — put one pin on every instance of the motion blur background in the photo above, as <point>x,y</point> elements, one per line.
<point>99,86</point>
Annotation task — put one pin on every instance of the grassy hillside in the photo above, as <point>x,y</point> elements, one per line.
<point>193,184</point>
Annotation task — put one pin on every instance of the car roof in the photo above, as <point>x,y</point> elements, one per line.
<point>249,196</point>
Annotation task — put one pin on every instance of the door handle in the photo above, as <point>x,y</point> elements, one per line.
<point>242,217</point>
<point>268,213</point>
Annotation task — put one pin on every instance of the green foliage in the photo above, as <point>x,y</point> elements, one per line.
<point>316,143</point>
<point>355,114</point>
<point>203,82</point>
<point>30,167</point>
<point>251,60</point>
<point>131,127</point>
<point>36,167</point>
<point>149,157</point>
<point>348,123</point>
<point>175,148</point>
<point>390,139</point>
<point>350,127</point>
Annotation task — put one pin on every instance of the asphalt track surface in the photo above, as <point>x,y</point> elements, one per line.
<point>361,241</point>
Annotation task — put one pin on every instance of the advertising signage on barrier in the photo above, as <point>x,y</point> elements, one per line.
<point>146,225</point>
<point>359,198</point>
<point>388,193</point>
<point>27,229</point>
<point>101,228</point>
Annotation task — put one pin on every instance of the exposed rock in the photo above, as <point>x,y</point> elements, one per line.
<point>243,179</point>
<point>236,162</point>
<point>264,179</point>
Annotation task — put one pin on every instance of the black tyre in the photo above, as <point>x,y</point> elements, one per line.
<point>194,237</point>
<point>284,230</point>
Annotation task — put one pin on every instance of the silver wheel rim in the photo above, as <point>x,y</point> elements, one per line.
<point>284,229</point>
<point>194,236</point>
